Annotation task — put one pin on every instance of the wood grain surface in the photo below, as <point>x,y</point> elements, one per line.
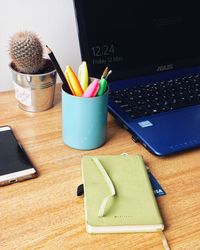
<point>45,213</point>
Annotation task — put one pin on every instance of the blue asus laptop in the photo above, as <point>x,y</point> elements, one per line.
<point>153,49</point>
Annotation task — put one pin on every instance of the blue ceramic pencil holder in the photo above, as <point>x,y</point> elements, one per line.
<point>84,120</point>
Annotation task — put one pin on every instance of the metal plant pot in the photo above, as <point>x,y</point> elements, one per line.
<point>34,92</point>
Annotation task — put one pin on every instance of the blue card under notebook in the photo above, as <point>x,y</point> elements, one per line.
<point>157,189</point>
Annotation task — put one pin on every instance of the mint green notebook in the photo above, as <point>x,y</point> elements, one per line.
<point>118,196</point>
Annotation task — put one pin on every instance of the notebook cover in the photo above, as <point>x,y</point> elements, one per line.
<point>134,203</point>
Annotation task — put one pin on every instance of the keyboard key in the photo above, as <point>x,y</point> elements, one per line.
<point>124,105</point>
<point>158,97</point>
<point>118,101</point>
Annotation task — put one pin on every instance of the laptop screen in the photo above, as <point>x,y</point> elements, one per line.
<point>138,37</point>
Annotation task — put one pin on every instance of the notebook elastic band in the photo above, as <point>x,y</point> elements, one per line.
<point>110,185</point>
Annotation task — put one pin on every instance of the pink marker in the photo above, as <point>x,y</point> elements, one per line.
<point>92,89</point>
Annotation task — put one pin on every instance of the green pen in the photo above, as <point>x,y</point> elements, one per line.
<point>103,85</point>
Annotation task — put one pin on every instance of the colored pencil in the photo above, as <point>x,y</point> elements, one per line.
<point>59,70</point>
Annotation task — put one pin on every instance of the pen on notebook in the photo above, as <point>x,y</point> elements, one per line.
<point>58,69</point>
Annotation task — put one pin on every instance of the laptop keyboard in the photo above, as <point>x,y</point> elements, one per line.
<point>158,97</point>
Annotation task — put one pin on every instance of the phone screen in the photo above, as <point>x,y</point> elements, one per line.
<point>12,156</point>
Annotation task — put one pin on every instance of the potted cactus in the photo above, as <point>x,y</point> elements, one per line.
<point>34,76</point>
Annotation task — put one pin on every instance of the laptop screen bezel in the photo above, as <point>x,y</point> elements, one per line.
<point>130,73</point>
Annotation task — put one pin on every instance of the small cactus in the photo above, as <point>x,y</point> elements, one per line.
<point>26,52</point>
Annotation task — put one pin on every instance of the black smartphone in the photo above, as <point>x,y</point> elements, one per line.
<point>14,163</point>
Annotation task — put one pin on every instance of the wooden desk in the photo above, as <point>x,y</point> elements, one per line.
<point>45,213</point>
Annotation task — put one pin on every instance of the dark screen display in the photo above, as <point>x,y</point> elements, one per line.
<point>12,157</point>
<point>132,35</point>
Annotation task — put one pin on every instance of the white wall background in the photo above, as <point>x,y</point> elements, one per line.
<point>52,20</point>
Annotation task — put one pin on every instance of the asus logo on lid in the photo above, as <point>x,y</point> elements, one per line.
<point>164,67</point>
